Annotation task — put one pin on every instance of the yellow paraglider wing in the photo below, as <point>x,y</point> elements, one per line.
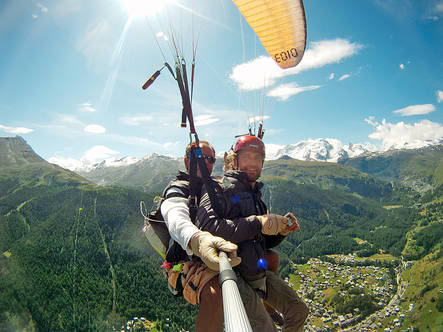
<point>280,25</point>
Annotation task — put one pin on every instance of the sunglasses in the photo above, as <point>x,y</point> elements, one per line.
<point>210,159</point>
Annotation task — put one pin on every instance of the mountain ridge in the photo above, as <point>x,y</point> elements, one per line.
<point>420,169</point>
<point>321,149</point>
<point>156,171</point>
<point>16,151</point>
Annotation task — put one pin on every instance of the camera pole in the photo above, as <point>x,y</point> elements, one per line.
<point>236,319</point>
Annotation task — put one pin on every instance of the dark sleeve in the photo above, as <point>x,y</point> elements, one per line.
<point>235,230</point>
<point>272,241</point>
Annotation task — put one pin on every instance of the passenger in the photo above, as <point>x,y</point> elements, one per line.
<point>244,221</point>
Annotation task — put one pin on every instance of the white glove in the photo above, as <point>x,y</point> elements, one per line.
<point>273,224</point>
<point>207,246</point>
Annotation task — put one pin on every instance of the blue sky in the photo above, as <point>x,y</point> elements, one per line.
<point>72,70</point>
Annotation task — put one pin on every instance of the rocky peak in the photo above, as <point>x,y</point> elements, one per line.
<point>15,151</point>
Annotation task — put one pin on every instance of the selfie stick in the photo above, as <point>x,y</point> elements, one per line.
<point>236,319</point>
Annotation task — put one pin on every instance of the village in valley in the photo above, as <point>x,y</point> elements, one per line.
<point>320,283</point>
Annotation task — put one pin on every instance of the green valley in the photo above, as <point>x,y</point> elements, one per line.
<point>73,257</point>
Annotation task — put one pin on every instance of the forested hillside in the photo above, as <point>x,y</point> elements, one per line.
<point>73,257</point>
<point>331,176</point>
<point>419,169</point>
<point>333,221</point>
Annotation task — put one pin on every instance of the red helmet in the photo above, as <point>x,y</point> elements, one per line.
<point>249,142</point>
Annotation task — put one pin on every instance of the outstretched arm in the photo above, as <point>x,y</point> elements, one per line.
<point>236,230</point>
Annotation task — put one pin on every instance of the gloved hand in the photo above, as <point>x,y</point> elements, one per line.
<point>293,225</point>
<point>273,224</point>
<point>206,246</point>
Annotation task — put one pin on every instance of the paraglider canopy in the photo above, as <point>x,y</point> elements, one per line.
<point>280,25</point>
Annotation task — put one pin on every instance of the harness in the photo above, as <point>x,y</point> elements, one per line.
<point>156,231</point>
<point>197,158</point>
<point>155,228</point>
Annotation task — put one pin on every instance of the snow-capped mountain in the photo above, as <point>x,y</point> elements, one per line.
<point>109,162</point>
<point>87,167</point>
<point>153,171</point>
<point>415,144</point>
<point>321,149</point>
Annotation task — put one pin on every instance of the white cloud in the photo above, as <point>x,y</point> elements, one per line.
<point>205,119</point>
<point>343,77</point>
<point>402,66</point>
<point>98,153</point>
<point>400,135</point>
<point>331,76</point>
<point>42,8</point>
<point>326,52</point>
<point>439,94</point>
<point>227,119</point>
<point>68,163</point>
<point>284,91</point>
<point>263,71</point>
<point>95,129</point>
<point>258,118</point>
<point>138,120</point>
<point>436,11</point>
<point>256,74</point>
<point>86,107</point>
<point>415,110</point>
<point>371,121</point>
<point>162,35</point>
<point>92,156</point>
<point>34,16</point>
<point>16,130</point>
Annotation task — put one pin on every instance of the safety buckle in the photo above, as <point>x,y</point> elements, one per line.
<point>192,201</point>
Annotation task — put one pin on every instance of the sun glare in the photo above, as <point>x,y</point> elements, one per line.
<point>144,7</point>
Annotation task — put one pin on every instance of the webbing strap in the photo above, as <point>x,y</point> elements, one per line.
<point>193,187</point>
<point>197,155</point>
<point>182,81</point>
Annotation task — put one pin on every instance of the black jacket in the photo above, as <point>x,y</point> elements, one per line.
<point>180,186</point>
<point>237,221</point>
